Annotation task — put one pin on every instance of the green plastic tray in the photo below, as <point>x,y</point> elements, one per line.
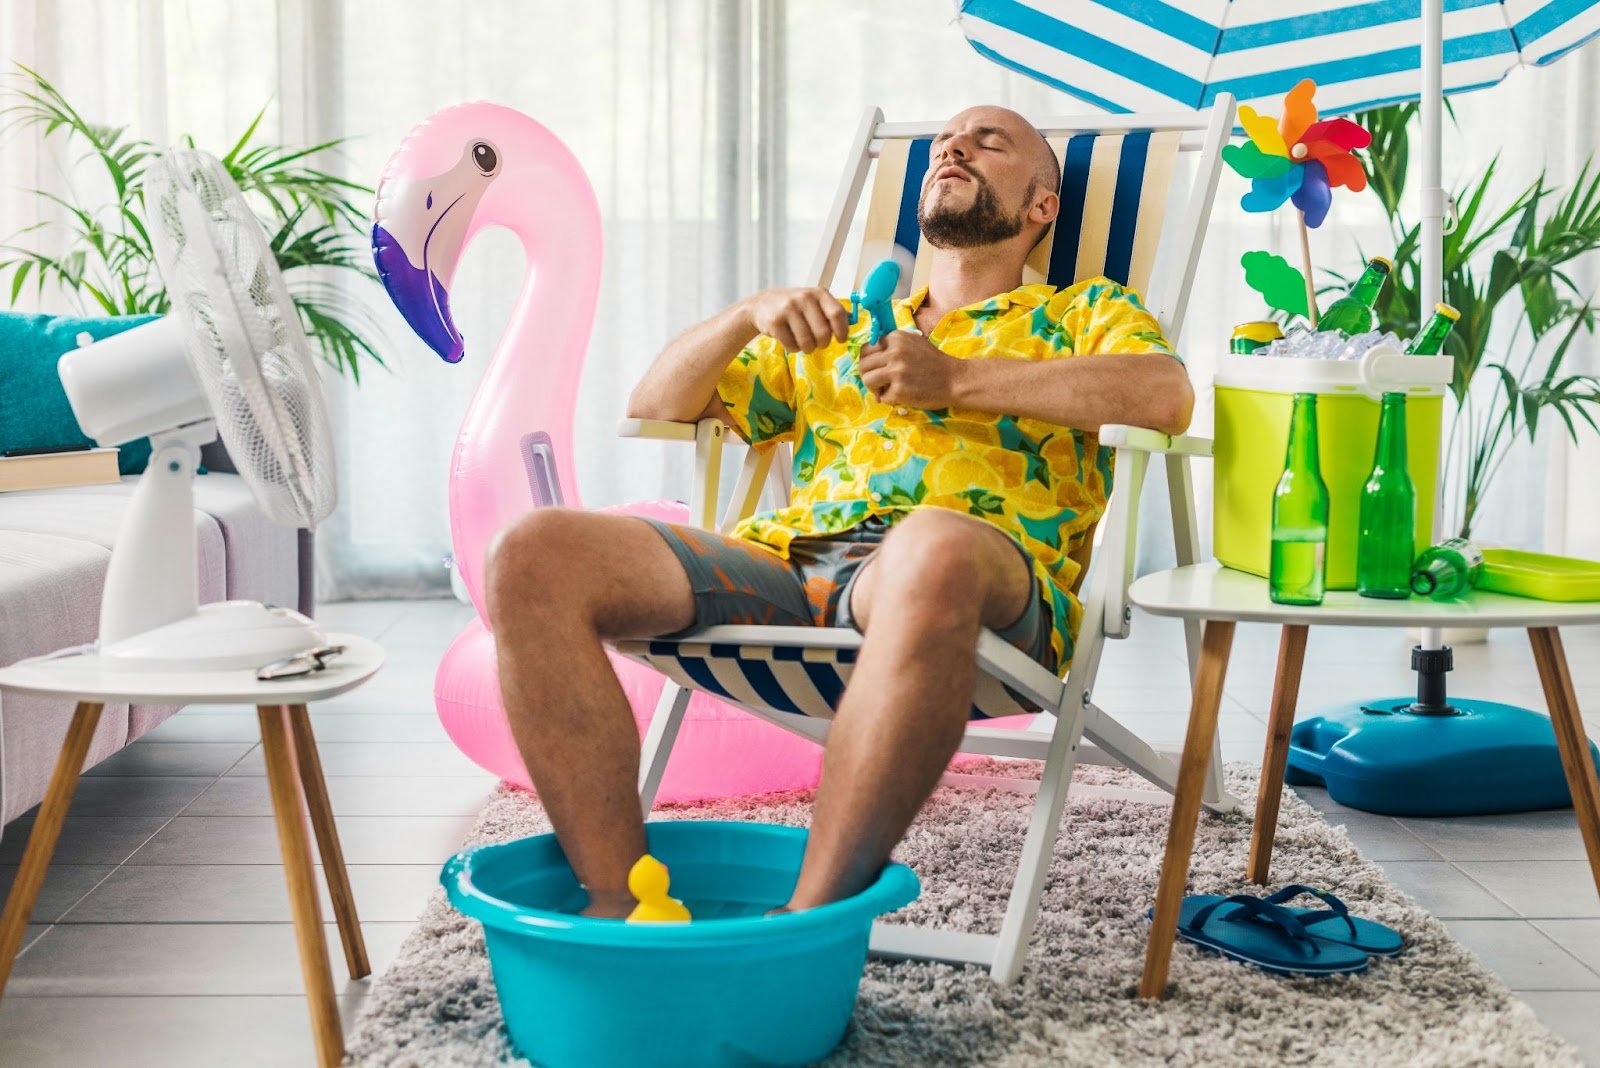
<point>1536,575</point>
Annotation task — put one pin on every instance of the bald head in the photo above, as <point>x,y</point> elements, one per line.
<point>992,177</point>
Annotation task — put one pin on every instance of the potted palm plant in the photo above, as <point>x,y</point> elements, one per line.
<point>1508,271</point>
<point>311,217</point>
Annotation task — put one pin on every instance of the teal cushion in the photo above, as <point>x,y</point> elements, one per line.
<point>33,407</point>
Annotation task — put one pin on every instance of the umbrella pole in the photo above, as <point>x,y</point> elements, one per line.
<point>1305,265</point>
<point>1431,282</point>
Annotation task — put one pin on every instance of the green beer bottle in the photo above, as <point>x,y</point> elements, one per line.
<point>1430,342</point>
<point>1352,313</point>
<point>1300,513</point>
<point>1386,540</point>
<point>1447,570</point>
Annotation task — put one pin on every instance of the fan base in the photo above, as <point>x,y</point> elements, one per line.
<point>222,636</point>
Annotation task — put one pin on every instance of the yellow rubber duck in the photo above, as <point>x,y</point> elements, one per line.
<point>648,881</point>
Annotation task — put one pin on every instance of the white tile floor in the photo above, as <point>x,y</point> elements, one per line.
<point>162,936</point>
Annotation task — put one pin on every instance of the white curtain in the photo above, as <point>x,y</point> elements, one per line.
<point>714,132</point>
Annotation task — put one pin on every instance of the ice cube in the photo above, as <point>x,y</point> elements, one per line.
<point>1356,347</point>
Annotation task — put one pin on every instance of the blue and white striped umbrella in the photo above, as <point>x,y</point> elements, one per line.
<point>1146,55</point>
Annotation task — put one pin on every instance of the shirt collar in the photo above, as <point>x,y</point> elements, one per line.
<point>1028,296</point>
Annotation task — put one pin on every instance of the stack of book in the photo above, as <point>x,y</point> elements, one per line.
<point>24,469</point>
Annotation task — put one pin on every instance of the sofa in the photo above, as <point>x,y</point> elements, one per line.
<point>55,546</point>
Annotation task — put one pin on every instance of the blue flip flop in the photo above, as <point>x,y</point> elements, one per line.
<point>1267,935</point>
<point>1335,924</point>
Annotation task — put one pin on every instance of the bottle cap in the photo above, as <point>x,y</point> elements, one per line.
<point>1447,311</point>
<point>1388,264</point>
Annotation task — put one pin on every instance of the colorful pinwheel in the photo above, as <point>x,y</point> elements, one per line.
<point>1297,158</point>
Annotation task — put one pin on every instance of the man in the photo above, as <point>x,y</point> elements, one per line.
<point>919,515</point>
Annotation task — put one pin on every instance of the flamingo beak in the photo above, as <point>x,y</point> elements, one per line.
<point>422,225</point>
<point>419,295</point>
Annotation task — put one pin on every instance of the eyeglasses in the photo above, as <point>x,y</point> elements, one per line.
<point>300,664</point>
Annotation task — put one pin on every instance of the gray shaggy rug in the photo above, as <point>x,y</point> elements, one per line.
<point>1075,1002</point>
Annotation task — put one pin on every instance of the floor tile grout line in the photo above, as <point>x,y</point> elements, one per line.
<point>1561,945</point>
<point>1480,885</point>
<point>120,864</point>
<point>1424,843</point>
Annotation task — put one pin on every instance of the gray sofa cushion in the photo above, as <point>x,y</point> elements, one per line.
<point>55,546</point>
<point>49,599</point>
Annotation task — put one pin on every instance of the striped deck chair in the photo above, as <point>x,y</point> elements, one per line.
<point>1118,218</point>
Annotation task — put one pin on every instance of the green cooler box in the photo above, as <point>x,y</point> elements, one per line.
<point>1254,395</point>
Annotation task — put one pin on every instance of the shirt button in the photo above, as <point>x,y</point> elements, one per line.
<point>888,443</point>
<point>877,497</point>
<point>900,411</point>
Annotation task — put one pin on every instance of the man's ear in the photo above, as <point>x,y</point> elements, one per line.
<point>1045,209</point>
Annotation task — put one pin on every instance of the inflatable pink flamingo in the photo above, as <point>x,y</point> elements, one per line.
<point>464,169</point>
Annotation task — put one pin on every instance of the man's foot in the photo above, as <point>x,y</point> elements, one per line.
<point>608,905</point>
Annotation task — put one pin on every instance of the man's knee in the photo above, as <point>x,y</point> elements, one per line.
<point>931,565</point>
<point>530,558</point>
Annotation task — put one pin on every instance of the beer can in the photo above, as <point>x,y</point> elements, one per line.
<point>1248,337</point>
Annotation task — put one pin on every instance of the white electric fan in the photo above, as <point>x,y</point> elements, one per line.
<point>230,357</point>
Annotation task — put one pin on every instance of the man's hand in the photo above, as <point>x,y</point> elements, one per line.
<point>906,368</point>
<point>799,319</point>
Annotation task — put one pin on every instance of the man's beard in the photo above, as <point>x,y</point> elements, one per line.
<point>984,222</point>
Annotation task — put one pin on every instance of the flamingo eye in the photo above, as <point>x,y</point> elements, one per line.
<point>485,157</point>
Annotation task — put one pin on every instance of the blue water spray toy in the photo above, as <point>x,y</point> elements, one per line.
<point>877,296</point>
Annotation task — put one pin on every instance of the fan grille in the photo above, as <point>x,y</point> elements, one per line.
<point>244,338</point>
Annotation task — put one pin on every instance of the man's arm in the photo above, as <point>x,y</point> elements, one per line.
<point>1085,392</point>
<point>681,385</point>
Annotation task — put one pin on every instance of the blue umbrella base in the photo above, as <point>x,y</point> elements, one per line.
<point>1377,757</point>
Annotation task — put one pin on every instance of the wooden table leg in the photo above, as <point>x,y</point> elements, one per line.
<point>1571,739</point>
<point>46,832</point>
<point>1214,647</point>
<point>1285,692</point>
<point>316,792</point>
<point>296,850</point>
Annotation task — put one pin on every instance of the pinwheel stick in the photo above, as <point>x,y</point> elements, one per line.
<point>1305,261</point>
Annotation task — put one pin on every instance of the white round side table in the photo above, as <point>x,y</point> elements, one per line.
<point>292,766</point>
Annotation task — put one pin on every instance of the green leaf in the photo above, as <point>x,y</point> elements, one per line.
<point>1280,284</point>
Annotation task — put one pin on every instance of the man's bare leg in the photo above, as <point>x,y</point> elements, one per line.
<point>560,580</point>
<point>920,601</point>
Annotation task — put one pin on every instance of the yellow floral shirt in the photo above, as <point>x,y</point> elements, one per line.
<point>855,456</point>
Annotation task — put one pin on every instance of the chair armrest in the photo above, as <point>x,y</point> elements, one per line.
<point>658,429</point>
<point>1119,436</point>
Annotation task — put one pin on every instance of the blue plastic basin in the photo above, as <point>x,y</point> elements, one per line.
<point>734,987</point>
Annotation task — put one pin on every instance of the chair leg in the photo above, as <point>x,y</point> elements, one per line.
<point>296,851</point>
<point>46,832</point>
<point>309,763</point>
<point>1285,693</point>
<point>658,741</point>
<point>1186,799</point>
<point>1571,739</point>
<point>1022,912</point>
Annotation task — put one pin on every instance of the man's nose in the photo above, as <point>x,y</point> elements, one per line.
<point>956,148</point>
